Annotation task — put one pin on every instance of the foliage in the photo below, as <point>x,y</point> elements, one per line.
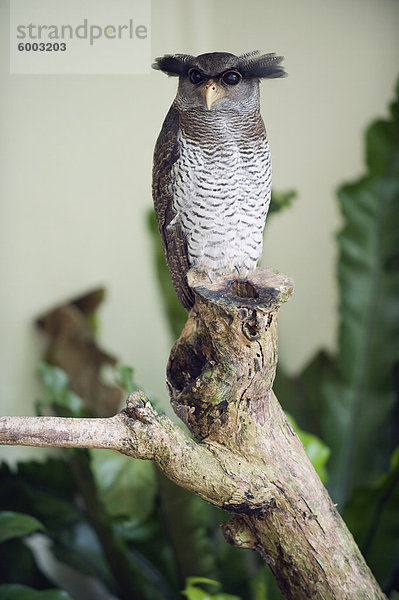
<point>23,592</point>
<point>14,525</point>
<point>17,561</point>
<point>193,592</point>
<point>281,200</point>
<point>105,515</point>
<point>377,531</point>
<point>350,399</point>
<point>96,508</point>
<point>316,450</point>
<point>57,392</point>
<point>360,402</point>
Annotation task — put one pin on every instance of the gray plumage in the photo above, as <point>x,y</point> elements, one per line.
<point>212,167</point>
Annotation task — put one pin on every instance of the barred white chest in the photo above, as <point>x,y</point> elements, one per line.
<point>221,194</point>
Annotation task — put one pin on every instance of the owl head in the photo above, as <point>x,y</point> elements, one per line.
<point>219,80</point>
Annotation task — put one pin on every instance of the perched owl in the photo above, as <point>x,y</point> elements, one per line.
<point>212,167</point>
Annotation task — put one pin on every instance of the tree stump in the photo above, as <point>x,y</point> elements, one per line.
<point>220,376</point>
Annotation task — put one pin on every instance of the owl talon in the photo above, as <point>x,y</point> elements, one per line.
<point>209,276</point>
<point>237,268</point>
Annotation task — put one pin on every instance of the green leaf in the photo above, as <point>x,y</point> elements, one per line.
<point>382,143</point>
<point>192,592</point>
<point>127,487</point>
<point>57,392</point>
<point>373,517</point>
<point>82,552</point>
<point>46,490</point>
<point>265,586</point>
<point>13,525</point>
<point>18,565</point>
<point>235,567</point>
<point>348,400</point>
<point>316,450</point>
<point>281,200</point>
<point>23,592</point>
<point>126,378</point>
<point>188,521</point>
<point>302,396</point>
<point>358,422</point>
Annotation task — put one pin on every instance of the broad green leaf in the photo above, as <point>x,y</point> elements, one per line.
<point>348,400</point>
<point>54,379</point>
<point>23,592</point>
<point>372,515</point>
<point>223,596</point>
<point>57,392</point>
<point>138,532</point>
<point>192,592</point>
<point>381,143</point>
<point>13,524</point>
<point>126,486</point>
<point>45,490</point>
<point>301,395</point>
<point>82,552</point>
<point>316,450</point>
<point>49,492</point>
<point>141,570</point>
<point>235,566</point>
<point>189,521</point>
<point>358,422</point>
<point>18,565</point>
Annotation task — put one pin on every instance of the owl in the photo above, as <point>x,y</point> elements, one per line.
<point>212,166</point>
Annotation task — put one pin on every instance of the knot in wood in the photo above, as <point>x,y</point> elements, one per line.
<point>251,326</point>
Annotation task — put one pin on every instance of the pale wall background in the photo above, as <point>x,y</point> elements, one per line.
<point>76,155</point>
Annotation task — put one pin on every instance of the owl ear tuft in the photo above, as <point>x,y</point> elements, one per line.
<point>261,67</point>
<point>173,64</point>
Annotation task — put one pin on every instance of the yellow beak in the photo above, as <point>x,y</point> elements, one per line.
<point>212,92</point>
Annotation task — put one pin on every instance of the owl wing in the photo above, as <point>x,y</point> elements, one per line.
<point>175,246</point>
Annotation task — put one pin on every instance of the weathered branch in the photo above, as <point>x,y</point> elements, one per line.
<point>248,460</point>
<point>141,433</point>
<point>63,432</point>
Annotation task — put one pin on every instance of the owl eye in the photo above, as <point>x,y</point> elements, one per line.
<point>195,76</point>
<point>231,77</point>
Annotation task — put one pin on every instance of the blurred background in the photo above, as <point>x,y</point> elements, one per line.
<point>75,195</point>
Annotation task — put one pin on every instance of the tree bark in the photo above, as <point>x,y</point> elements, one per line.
<point>247,458</point>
